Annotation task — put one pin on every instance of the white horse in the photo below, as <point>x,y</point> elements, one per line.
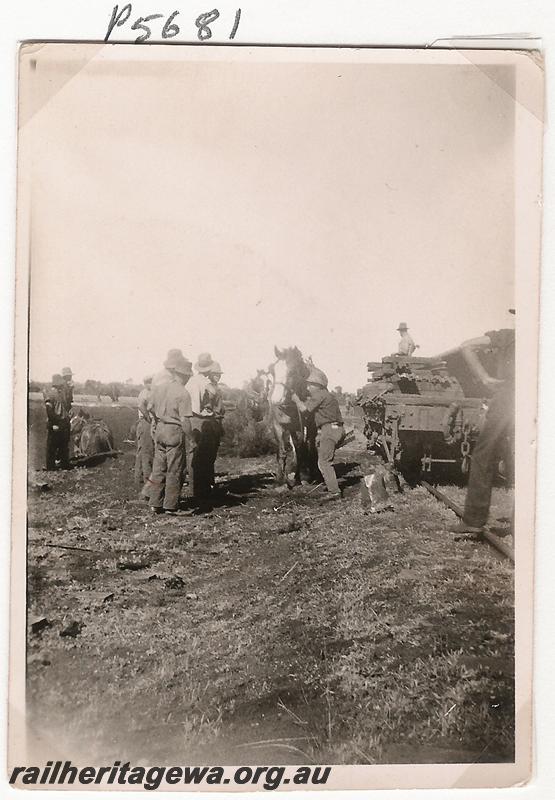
<point>295,435</point>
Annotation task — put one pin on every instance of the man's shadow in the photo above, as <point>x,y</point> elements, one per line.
<point>238,490</point>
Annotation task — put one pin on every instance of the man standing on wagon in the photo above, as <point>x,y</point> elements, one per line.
<point>324,407</point>
<point>406,346</point>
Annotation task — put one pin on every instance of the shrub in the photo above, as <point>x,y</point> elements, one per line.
<point>244,437</point>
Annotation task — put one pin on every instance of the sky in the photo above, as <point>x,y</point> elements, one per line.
<point>231,205</point>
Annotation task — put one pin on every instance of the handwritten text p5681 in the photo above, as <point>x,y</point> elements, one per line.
<point>169,27</point>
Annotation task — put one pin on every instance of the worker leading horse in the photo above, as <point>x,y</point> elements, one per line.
<point>297,458</point>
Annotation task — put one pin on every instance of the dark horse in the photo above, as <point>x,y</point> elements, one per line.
<point>255,397</point>
<point>295,435</point>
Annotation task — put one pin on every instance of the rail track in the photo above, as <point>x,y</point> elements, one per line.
<point>493,540</point>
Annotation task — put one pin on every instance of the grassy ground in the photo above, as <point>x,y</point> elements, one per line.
<point>274,630</point>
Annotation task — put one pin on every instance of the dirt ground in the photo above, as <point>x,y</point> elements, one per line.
<point>272,630</point>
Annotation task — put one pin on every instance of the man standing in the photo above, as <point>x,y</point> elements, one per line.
<point>145,442</point>
<point>498,429</point>
<point>205,429</point>
<point>217,404</point>
<point>406,345</point>
<point>68,387</point>
<point>57,439</point>
<point>171,407</point>
<point>324,407</point>
<point>67,392</point>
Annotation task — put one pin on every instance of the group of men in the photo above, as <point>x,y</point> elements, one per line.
<point>180,427</point>
<point>179,430</point>
<point>58,400</point>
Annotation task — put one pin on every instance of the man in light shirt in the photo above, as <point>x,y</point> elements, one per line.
<point>170,405</point>
<point>145,442</point>
<point>406,345</point>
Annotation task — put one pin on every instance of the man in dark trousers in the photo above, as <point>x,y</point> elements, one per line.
<point>324,408</point>
<point>67,390</point>
<point>207,405</point>
<point>217,404</point>
<point>58,436</point>
<point>498,426</point>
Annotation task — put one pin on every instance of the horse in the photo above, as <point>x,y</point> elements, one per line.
<point>254,400</point>
<point>295,436</point>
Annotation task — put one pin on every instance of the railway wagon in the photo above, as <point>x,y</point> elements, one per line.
<point>418,418</point>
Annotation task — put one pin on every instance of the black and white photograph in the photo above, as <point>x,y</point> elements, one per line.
<point>276,381</point>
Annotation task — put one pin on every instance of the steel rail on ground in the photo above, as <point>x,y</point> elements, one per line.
<point>489,537</point>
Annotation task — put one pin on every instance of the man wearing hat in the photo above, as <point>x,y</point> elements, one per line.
<point>324,408</point>
<point>205,427</point>
<point>171,407</point>
<point>166,375</point>
<point>217,403</point>
<point>145,442</point>
<point>67,387</point>
<point>406,345</point>
<point>497,434</point>
<point>58,435</point>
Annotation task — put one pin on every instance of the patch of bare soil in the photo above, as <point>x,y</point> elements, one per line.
<point>272,630</point>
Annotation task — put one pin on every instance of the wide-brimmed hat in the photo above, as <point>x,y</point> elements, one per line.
<point>183,366</point>
<point>67,371</point>
<point>172,356</point>
<point>403,326</point>
<point>205,363</point>
<point>216,368</point>
<point>318,377</point>
<point>57,380</point>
